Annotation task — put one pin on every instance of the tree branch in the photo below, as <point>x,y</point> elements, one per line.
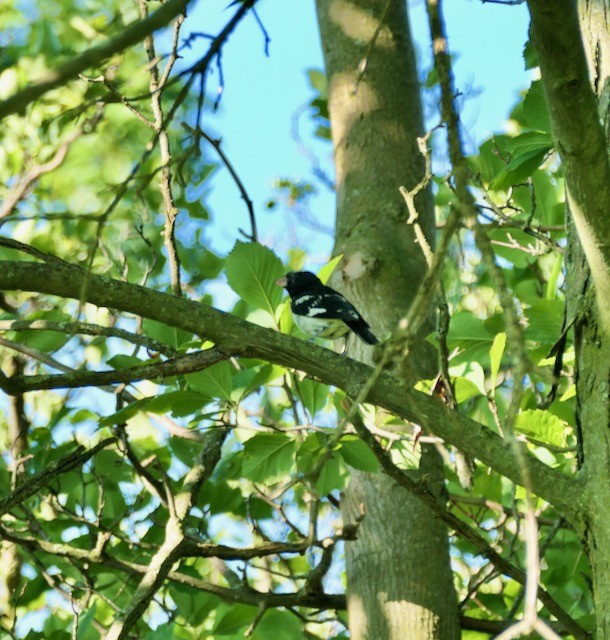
<point>200,133</point>
<point>233,335</point>
<point>466,532</point>
<point>186,364</point>
<point>86,328</point>
<point>131,35</point>
<point>171,549</point>
<point>71,461</point>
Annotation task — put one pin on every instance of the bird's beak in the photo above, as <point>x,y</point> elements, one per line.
<point>282,282</point>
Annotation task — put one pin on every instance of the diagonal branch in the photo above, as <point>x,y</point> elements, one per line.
<point>466,532</point>
<point>69,462</point>
<point>57,77</point>
<point>173,545</point>
<point>239,337</point>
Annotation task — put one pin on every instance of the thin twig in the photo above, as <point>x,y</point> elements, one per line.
<point>216,143</point>
<point>27,181</point>
<point>160,127</point>
<point>364,62</point>
<point>188,363</point>
<point>86,328</point>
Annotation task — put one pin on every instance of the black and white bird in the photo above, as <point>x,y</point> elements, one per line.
<point>321,311</point>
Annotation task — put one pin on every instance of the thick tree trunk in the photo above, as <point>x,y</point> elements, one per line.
<point>398,573</point>
<point>593,344</point>
<point>579,138</point>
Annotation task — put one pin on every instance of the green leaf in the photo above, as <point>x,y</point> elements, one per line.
<point>214,382</point>
<point>180,403</point>
<point>551,286</point>
<point>521,167</point>
<point>465,389</point>
<point>545,320</point>
<point>470,335</point>
<point>322,132</point>
<point>529,141</point>
<point>495,356</point>
<point>252,270</point>
<point>541,425</point>
<point>488,163</point>
<point>163,631</point>
<point>327,270</point>
<point>235,619</point>
<point>110,464</point>
<point>313,394</point>
<point>332,476</point>
<point>41,340</point>
<point>535,110</point>
<point>279,625</point>
<point>471,372</point>
<point>318,81</point>
<point>530,55</point>
<point>84,624</point>
<point>124,362</point>
<point>309,451</point>
<point>165,334</point>
<point>268,457</point>
<point>357,454</point>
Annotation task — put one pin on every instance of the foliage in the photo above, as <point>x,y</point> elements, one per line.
<point>267,512</point>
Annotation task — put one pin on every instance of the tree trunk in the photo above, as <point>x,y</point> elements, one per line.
<point>399,581</point>
<point>593,345</point>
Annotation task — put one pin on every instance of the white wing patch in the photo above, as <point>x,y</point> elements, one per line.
<point>316,311</point>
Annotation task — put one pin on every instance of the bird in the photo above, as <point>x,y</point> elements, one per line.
<point>320,311</point>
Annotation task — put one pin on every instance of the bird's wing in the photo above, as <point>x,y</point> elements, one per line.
<point>325,305</point>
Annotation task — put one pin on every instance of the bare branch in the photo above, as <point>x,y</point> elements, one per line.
<point>186,364</point>
<point>86,328</point>
<point>157,86</point>
<point>199,132</point>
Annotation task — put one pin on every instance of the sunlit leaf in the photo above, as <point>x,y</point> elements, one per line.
<point>252,270</point>
<point>357,454</point>
<point>268,457</point>
<point>214,382</point>
<point>495,356</point>
<point>541,425</point>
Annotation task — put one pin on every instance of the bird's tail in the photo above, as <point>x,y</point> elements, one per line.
<point>363,331</point>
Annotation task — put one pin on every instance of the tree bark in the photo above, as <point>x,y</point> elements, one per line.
<point>579,137</point>
<point>399,581</point>
<point>11,559</point>
<point>592,343</point>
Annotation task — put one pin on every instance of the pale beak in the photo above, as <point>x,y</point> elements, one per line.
<point>282,282</point>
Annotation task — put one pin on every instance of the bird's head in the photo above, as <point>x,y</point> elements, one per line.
<point>296,281</point>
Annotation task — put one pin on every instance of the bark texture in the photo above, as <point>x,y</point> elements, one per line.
<point>578,134</point>
<point>593,344</point>
<point>11,559</point>
<point>398,573</point>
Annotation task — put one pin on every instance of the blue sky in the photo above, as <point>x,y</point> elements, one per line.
<point>262,94</point>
